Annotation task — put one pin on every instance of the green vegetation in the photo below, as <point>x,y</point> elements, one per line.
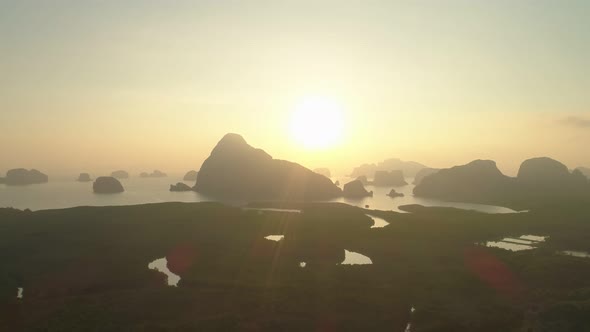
<point>85,269</point>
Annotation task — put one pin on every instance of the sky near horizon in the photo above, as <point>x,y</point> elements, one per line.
<point>140,85</point>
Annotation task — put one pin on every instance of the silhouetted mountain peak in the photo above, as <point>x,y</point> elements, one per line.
<point>541,170</point>
<point>479,180</point>
<point>481,166</point>
<point>232,144</point>
<point>539,180</point>
<point>232,139</point>
<point>237,170</point>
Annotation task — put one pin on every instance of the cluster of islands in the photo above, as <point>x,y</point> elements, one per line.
<point>236,170</point>
<point>287,261</point>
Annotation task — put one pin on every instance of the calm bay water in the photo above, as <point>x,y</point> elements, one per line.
<point>380,200</point>
<point>64,194</point>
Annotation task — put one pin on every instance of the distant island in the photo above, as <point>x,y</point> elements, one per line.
<point>154,174</point>
<point>424,173</point>
<point>236,170</point>
<point>180,187</point>
<point>107,185</point>
<point>409,168</point>
<point>191,176</point>
<point>392,193</point>
<point>391,178</point>
<point>539,180</point>
<point>84,177</point>
<point>120,174</point>
<point>21,176</point>
<point>355,189</point>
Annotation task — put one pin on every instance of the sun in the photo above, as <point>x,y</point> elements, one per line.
<point>317,122</point>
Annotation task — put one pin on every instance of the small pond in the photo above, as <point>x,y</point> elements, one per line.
<point>275,238</point>
<point>378,222</point>
<point>354,258</point>
<point>581,254</point>
<point>161,265</point>
<point>523,242</point>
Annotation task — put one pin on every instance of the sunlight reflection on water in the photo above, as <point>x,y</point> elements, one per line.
<point>380,200</point>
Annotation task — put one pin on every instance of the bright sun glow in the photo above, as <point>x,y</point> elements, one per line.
<point>317,123</point>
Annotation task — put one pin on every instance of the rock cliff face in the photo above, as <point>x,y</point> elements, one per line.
<point>236,170</point>
<point>120,174</point>
<point>191,176</point>
<point>478,181</point>
<point>107,185</point>
<point>355,189</point>
<point>392,178</point>
<point>21,176</point>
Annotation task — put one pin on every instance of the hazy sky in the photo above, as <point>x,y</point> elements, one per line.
<point>102,85</point>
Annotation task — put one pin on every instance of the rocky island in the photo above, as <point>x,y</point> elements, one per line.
<point>236,170</point>
<point>84,177</point>
<point>539,180</point>
<point>107,185</point>
<point>21,176</point>
<point>180,187</point>
<point>392,193</point>
<point>355,189</point>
